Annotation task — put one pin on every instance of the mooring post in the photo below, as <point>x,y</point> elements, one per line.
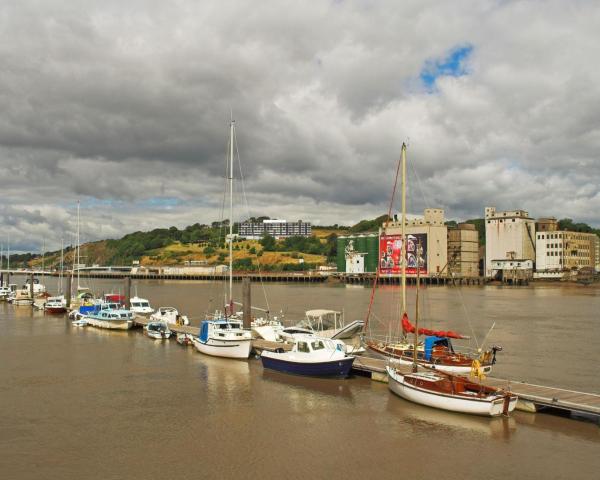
<point>31,285</point>
<point>247,301</point>
<point>1,278</point>
<point>128,291</point>
<point>68,292</point>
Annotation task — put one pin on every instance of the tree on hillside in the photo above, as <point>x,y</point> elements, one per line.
<point>369,225</point>
<point>268,242</point>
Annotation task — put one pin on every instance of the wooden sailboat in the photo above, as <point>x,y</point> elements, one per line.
<point>223,336</point>
<point>445,391</point>
<point>436,351</point>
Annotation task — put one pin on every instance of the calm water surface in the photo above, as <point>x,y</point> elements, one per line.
<point>89,403</point>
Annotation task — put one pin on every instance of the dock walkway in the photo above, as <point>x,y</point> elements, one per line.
<point>532,397</point>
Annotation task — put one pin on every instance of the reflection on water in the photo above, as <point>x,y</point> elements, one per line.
<point>114,396</point>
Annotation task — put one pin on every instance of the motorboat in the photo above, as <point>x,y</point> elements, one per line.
<point>22,297</point>
<point>140,306</point>
<point>310,355</point>
<point>56,304</point>
<point>111,318</point>
<point>327,323</point>
<point>170,315</point>
<point>267,329</point>
<point>38,288</point>
<point>158,330</point>
<point>80,322</point>
<point>5,292</point>
<point>450,392</point>
<point>223,337</point>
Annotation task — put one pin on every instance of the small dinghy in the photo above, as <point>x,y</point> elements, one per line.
<point>158,330</point>
<point>311,355</point>
<point>185,339</point>
<point>80,322</point>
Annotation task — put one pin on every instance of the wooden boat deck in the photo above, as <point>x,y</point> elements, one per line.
<point>539,395</point>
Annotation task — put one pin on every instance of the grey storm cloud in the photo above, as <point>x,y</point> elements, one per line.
<point>126,105</point>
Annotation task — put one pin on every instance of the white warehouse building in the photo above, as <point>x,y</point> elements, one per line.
<point>508,235</point>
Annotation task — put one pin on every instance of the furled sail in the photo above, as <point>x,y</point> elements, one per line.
<point>408,327</point>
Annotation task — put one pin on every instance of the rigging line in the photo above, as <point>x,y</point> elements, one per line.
<point>462,302</point>
<point>246,204</point>
<point>416,173</point>
<point>386,224</point>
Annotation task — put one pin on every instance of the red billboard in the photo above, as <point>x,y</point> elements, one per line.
<point>390,253</point>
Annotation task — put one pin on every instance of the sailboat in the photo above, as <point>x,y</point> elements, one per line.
<point>437,351</point>
<point>445,391</point>
<point>58,303</point>
<point>222,335</point>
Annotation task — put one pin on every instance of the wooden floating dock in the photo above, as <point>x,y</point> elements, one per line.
<point>532,398</point>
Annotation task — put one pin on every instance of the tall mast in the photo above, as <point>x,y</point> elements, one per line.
<point>417,309</point>
<point>231,210</point>
<point>78,251</point>
<point>403,252</point>
<point>62,260</point>
<point>8,254</point>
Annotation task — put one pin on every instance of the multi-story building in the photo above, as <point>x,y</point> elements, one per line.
<point>558,250</point>
<point>276,228</point>
<point>429,233</point>
<point>463,251</point>
<point>508,235</point>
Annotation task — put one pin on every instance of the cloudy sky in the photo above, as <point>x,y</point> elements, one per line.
<point>125,105</point>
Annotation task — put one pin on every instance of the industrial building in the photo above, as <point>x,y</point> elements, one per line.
<point>357,253</point>
<point>509,235</point>
<point>276,228</point>
<point>560,250</point>
<point>429,231</point>
<point>463,251</point>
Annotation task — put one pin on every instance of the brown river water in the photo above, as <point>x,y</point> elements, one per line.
<point>87,403</point>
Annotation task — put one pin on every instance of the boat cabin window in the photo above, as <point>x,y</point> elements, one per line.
<point>317,345</point>
<point>135,304</point>
<point>303,347</point>
<point>144,304</point>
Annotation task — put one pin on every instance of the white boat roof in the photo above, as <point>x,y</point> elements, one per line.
<point>320,312</point>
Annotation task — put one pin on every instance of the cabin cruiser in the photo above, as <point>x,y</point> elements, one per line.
<point>223,337</point>
<point>140,306</point>
<point>56,304</point>
<point>38,288</point>
<point>169,315</point>
<point>310,355</point>
<point>5,291</point>
<point>21,297</point>
<point>158,330</point>
<point>105,316</point>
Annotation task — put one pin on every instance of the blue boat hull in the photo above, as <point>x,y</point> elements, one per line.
<point>336,368</point>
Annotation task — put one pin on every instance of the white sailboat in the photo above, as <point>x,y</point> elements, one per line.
<point>223,336</point>
<point>435,388</point>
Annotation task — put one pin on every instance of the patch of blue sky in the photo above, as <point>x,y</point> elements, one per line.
<point>160,202</point>
<point>452,65</point>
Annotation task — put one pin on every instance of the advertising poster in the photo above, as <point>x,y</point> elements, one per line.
<point>390,251</point>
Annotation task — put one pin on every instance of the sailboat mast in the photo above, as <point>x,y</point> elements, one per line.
<point>62,263</point>
<point>78,251</point>
<point>8,254</point>
<point>417,309</point>
<point>231,211</point>
<point>403,251</point>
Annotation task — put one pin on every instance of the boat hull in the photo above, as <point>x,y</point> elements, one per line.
<point>224,348</point>
<point>454,369</point>
<point>335,368</point>
<point>110,325</point>
<point>486,407</point>
<point>23,302</point>
<point>55,309</point>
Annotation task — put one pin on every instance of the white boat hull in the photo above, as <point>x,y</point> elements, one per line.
<point>110,324</point>
<point>225,348</point>
<point>453,369</point>
<point>475,406</point>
